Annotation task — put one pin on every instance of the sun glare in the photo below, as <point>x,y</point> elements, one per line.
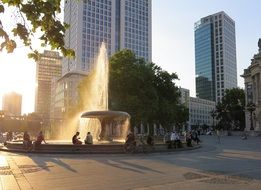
<point>17,74</point>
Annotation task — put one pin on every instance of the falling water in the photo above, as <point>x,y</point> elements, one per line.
<point>94,97</point>
<point>96,93</point>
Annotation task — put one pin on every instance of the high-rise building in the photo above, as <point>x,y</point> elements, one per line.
<point>12,103</point>
<point>119,23</point>
<point>48,66</point>
<point>215,56</point>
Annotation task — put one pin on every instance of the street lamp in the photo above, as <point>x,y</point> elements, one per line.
<point>251,107</point>
<point>213,114</point>
<point>41,125</point>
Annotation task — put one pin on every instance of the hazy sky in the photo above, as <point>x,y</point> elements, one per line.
<point>172,41</point>
<point>173,33</point>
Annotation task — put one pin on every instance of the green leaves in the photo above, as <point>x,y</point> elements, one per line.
<point>22,32</point>
<point>231,110</point>
<point>10,46</point>
<point>34,55</point>
<point>3,34</point>
<point>2,9</point>
<point>36,15</point>
<point>144,90</point>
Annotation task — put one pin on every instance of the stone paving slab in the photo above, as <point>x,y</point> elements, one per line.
<point>228,166</point>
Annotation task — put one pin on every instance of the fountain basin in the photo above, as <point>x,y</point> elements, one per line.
<point>106,114</point>
<point>113,123</point>
<point>87,149</point>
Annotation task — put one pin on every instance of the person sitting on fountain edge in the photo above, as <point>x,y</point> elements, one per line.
<point>26,141</point>
<point>150,140</point>
<point>75,139</point>
<point>88,139</point>
<point>130,139</point>
<point>39,140</point>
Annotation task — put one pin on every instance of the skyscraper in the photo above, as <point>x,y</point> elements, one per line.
<point>119,23</point>
<point>215,56</point>
<point>47,67</point>
<point>12,103</point>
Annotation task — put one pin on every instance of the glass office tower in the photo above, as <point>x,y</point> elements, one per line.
<point>119,23</point>
<point>215,56</point>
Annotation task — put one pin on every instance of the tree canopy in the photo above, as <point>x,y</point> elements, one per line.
<point>33,16</point>
<point>144,90</point>
<point>230,111</point>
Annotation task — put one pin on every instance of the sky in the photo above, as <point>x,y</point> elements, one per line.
<point>173,34</point>
<point>172,43</point>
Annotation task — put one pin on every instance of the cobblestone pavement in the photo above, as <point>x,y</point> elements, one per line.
<point>233,164</point>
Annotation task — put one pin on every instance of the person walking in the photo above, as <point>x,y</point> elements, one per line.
<point>218,136</point>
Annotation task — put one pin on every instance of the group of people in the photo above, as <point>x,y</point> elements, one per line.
<point>29,144</point>
<point>173,139</point>
<point>130,139</point>
<point>32,145</point>
<point>76,139</point>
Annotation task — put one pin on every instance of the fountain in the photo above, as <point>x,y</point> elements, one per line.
<point>109,128</point>
<point>113,124</point>
<point>101,122</point>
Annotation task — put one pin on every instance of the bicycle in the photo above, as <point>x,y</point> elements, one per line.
<point>138,146</point>
<point>129,147</point>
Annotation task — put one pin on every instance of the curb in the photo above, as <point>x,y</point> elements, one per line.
<point>4,149</point>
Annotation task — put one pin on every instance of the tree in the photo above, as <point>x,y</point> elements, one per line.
<point>231,110</point>
<point>145,91</point>
<point>131,87</point>
<point>33,16</point>
<point>181,116</point>
<point>168,96</point>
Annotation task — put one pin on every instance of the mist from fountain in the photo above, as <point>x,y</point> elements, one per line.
<point>94,97</point>
<point>95,94</point>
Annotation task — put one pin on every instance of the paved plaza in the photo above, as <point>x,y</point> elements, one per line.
<point>233,164</point>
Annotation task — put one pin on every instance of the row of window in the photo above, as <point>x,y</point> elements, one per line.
<point>137,3</point>
<point>218,23</point>
<point>101,15</point>
<point>97,3</point>
<point>136,13</point>
<point>98,19</point>
<point>142,21</point>
<point>106,28</point>
<point>219,40</point>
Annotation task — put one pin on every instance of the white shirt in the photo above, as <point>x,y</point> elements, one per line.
<point>173,136</point>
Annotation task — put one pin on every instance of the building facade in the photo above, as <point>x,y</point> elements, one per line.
<point>184,97</point>
<point>119,23</point>
<point>64,97</point>
<point>215,56</point>
<point>12,104</point>
<point>47,67</point>
<point>199,112</point>
<point>252,77</point>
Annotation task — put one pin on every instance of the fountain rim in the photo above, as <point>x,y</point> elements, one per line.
<point>105,114</point>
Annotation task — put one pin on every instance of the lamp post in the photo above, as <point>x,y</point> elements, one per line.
<point>41,125</point>
<point>251,107</point>
<point>225,117</point>
<point>213,114</point>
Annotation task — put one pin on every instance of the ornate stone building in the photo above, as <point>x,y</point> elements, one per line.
<point>252,76</point>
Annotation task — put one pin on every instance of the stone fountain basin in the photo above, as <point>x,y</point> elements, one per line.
<point>105,114</point>
<point>68,148</point>
<point>108,148</point>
